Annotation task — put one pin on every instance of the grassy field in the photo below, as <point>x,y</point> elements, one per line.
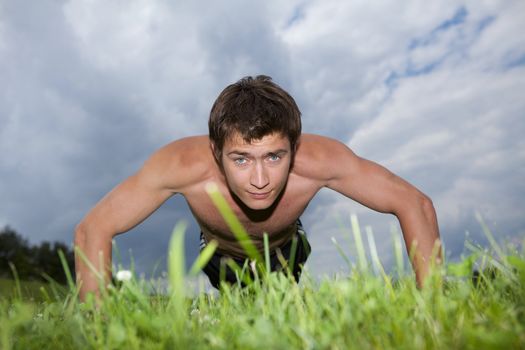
<point>359,311</point>
<point>34,291</point>
<point>365,309</point>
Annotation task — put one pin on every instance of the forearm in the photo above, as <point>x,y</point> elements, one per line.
<point>92,261</point>
<point>421,234</point>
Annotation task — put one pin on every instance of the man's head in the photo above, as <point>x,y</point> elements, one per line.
<point>253,108</point>
<point>254,129</point>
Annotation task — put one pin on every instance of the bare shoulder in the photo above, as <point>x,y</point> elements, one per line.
<point>180,163</point>
<point>321,158</point>
<point>317,143</point>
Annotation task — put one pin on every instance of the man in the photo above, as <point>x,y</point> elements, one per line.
<point>267,171</point>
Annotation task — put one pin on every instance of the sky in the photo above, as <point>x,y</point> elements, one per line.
<point>432,90</point>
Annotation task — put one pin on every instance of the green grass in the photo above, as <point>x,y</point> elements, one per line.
<point>358,311</point>
<point>36,291</point>
<point>365,309</point>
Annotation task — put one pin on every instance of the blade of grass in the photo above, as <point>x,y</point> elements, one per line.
<point>54,286</point>
<point>363,265</point>
<point>266,252</point>
<point>293,251</point>
<point>242,274</point>
<point>65,266</point>
<point>203,258</point>
<point>116,254</point>
<point>88,263</point>
<point>490,237</point>
<point>343,255</point>
<point>376,263</point>
<point>347,237</point>
<point>45,294</point>
<point>97,274</point>
<point>17,281</point>
<point>398,251</point>
<point>176,264</point>
<point>233,222</point>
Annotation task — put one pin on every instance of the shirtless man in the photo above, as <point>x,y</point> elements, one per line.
<point>267,171</point>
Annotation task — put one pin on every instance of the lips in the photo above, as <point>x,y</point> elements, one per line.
<point>259,195</point>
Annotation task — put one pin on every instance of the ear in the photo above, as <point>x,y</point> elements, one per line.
<point>215,153</point>
<point>296,145</point>
<point>294,153</point>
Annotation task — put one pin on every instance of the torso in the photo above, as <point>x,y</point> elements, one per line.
<point>279,223</point>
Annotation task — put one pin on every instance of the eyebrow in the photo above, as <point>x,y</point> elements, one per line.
<point>240,153</point>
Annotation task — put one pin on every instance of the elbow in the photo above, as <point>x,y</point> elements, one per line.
<point>80,234</point>
<point>427,205</point>
<point>89,231</point>
<point>416,202</point>
<point>79,246</point>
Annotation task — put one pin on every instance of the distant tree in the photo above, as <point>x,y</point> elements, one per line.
<point>46,260</point>
<point>15,250</point>
<point>32,262</point>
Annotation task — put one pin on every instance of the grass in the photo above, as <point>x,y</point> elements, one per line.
<point>365,309</point>
<point>33,291</point>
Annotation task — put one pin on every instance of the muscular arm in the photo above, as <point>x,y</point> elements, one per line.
<point>377,188</point>
<point>123,208</point>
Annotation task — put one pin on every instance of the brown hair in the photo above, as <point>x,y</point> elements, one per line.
<point>253,107</point>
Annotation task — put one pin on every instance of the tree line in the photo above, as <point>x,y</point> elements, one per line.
<point>33,262</point>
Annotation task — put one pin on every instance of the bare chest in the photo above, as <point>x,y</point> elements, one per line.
<point>279,223</point>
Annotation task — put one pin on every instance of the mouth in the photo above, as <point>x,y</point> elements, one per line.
<point>257,195</point>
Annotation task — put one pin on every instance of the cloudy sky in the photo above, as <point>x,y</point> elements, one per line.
<point>433,90</point>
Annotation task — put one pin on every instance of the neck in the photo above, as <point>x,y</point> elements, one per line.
<point>257,215</point>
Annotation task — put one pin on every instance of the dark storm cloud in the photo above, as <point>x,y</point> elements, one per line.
<point>60,125</point>
<point>84,108</point>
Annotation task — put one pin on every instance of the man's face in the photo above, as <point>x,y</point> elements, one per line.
<point>257,171</point>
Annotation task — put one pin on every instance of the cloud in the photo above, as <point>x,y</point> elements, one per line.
<point>453,129</point>
<point>431,90</point>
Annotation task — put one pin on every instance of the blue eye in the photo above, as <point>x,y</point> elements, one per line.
<point>240,161</point>
<point>274,157</point>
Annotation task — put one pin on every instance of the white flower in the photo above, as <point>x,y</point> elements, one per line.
<point>195,312</point>
<point>124,275</point>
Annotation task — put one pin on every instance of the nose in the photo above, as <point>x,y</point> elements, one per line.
<point>259,178</point>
